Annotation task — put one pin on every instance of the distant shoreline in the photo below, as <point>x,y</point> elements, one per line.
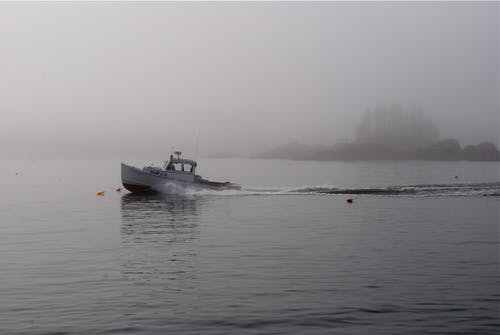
<point>446,150</point>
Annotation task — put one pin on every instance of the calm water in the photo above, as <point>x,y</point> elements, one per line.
<point>416,253</point>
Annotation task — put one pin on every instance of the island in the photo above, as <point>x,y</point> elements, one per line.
<point>390,133</point>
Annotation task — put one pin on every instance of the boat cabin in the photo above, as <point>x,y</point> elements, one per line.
<point>178,164</point>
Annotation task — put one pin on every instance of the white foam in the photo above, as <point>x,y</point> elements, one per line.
<point>178,188</point>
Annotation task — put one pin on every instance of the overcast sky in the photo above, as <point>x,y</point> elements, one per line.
<point>131,78</point>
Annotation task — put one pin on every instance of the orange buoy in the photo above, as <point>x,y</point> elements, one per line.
<point>100,193</point>
<point>349,200</point>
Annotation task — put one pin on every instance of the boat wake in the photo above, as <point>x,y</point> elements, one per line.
<point>430,190</point>
<point>473,189</point>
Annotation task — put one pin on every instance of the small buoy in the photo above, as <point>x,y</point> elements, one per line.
<point>118,189</point>
<point>100,193</point>
<point>349,200</point>
<point>456,177</point>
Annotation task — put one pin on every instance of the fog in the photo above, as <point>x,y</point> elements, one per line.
<point>116,79</point>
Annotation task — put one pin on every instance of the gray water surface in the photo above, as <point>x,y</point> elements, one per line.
<point>278,257</point>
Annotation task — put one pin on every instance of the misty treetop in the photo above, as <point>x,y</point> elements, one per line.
<point>396,128</point>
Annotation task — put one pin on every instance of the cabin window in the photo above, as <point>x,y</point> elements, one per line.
<point>177,166</point>
<point>188,167</point>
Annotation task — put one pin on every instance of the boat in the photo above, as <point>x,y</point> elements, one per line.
<point>175,169</point>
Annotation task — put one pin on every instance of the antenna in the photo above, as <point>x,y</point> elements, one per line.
<point>196,151</point>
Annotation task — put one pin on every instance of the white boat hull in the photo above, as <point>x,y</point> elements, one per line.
<point>137,180</point>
